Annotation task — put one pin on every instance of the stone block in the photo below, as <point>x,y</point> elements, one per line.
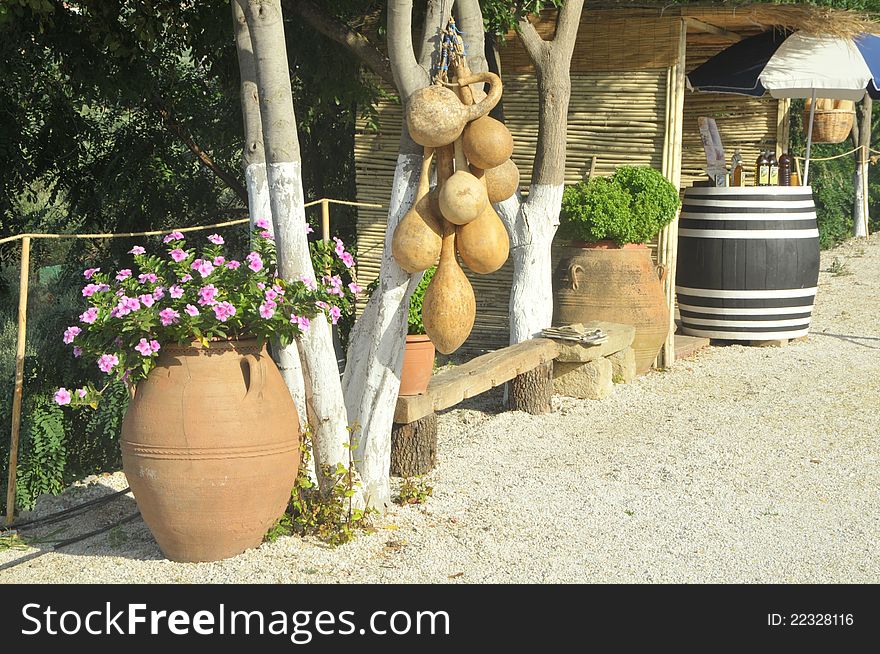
<point>620,337</point>
<point>586,381</point>
<point>623,366</point>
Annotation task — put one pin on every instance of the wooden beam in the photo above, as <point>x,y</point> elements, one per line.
<point>700,26</point>
<point>478,375</point>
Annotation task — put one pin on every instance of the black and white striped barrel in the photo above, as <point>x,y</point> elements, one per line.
<point>748,262</point>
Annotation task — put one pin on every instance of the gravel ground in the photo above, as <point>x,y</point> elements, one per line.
<point>740,465</point>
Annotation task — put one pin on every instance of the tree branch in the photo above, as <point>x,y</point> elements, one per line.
<point>534,44</point>
<point>431,34</point>
<point>404,65</point>
<point>470,21</point>
<point>354,41</point>
<point>204,158</point>
<point>567,22</point>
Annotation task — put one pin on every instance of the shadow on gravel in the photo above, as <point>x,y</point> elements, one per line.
<point>112,528</point>
<point>851,338</point>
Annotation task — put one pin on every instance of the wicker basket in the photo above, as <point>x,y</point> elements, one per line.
<point>830,125</point>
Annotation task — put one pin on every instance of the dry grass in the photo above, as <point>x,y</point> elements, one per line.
<point>821,21</point>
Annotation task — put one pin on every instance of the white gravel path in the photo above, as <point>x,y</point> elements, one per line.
<point>740,465</point>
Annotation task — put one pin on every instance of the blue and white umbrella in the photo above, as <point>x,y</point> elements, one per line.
<point>789,64</point>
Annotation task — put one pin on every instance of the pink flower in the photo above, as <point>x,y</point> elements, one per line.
<point>89,316</point>
<point>271,294</point>
<point>81,392</point>
<point>255,263</point>
<point>204,268</point>
<point>126,306</point>
<point>267,309</point>
<point>347,259</point>
<point>102,288</point>
<point>137,249</point>
<point>206,295</point>
<point>173,236</point>
<point>107,362</point>
<point>175,292</point>
<point>301,321</point>
<point>261,223</point>
<point>77,351</point>
<point>310,283</point>
<point>147,277</point>
<point>219,261</point>
<point>154,345</point>
<point>191,310</point>
<point>186,278</point>
<point>261,286</point>
<point>309,229</point>
<point>90,289</point>
<point>123,274</point>
<point>168,317</point>
<point>340,246</point>
<point>143,347</point>
<point>71,333</point>
<point>232,265</point>
<point>354,288</point>
<point>88,272</point>
<point>158,292</point>
<point>322,305</point>
<point>216,239</point>
<point>278,289</point>
<point>178,255</point>
<point>335,313</point>
<point>267,235</point>
<point>224,311</point>
<point>147,300</point>
<point>62,396</point>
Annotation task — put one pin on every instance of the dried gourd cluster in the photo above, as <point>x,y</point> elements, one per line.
<point>474,170</point>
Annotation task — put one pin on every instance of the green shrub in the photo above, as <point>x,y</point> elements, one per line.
<point>414,318</point>
<point>631,206</point>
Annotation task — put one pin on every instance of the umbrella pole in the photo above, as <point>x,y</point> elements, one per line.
<point>806,181</point>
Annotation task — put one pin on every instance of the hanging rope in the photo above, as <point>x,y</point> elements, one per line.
<point>844,154</point>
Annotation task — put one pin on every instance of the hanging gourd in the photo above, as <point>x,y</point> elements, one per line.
<point>487,142</point>
<point>436,117</point>
<point>483,244</point>
<point>419,235</point>
<point>463,197</point>
<point>449,307</point>
<point>501,181</point>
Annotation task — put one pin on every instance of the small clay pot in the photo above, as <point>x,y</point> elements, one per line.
<point>418,365</point>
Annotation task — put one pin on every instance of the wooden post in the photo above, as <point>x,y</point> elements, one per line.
<point>325,219</point>
<point>863,163</point>
<point>667,244</point>
<point>782,126</point>
<point>19,375</point>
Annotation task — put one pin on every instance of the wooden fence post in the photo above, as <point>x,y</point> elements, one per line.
<point>19,375</point>
<point>325,219</point>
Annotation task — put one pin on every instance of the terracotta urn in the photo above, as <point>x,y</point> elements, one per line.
<point>604,281</point>
<point>210,447</point>
<point>418,365</point>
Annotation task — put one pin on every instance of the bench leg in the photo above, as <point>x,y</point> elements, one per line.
<point>414,447</point>
<point>532,390</point>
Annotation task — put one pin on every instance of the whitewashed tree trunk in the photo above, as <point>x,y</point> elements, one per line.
<point>532,229</point>
<point>861,135</point>
<point>375,353</point>
<point>324,399</point>
<point>259,202</point>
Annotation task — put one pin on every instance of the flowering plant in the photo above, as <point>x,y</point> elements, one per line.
<point>191,297</point>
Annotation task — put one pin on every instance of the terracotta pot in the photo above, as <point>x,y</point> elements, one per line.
<point>210,447</point>
<point>617,284</point>
<point>418,364</point>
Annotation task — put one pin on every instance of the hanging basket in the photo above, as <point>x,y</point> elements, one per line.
<point>833,121</point>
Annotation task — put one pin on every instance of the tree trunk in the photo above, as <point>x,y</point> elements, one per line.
<point>259,203</point>
<point>532,391</point>
<point>861,135</point>
<point>414,447</point>
<point>324,400</point>
<point>375,353</point>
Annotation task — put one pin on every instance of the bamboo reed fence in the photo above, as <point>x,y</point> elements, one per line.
<point>21,337</point>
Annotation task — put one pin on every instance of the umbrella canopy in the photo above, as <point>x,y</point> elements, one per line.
<point>794,65</point>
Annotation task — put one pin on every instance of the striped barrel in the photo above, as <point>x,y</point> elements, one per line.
<point>748,262</point>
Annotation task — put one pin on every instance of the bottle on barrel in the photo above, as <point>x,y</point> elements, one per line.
<point>762,170</point>
<point>785,167</point>
<point>736,169</point>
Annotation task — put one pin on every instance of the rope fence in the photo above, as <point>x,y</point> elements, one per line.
<point>21,336</point>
